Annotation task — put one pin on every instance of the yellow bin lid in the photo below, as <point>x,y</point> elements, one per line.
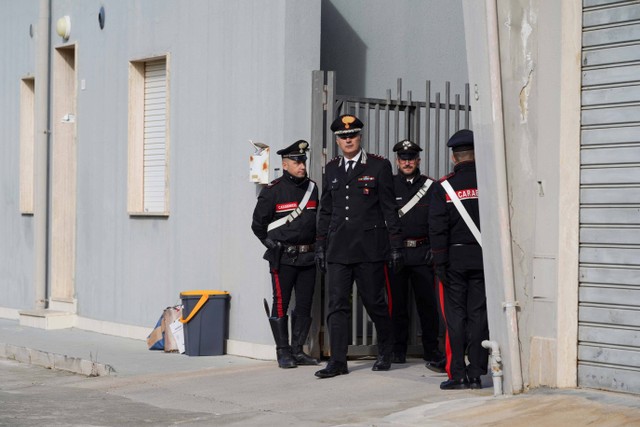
<point>202,292</point>
<point>204,296</point>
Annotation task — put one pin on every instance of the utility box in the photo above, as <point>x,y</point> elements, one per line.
<point>205,315</point>
<point>259,163</point>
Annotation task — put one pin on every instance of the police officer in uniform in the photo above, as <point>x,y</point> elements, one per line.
<point>413,191</point>
<point>457,255</point>
<point>284,220</point>
<point>358,231</point>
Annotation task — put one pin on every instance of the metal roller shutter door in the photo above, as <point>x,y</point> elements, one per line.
<point>155,152</point>
<point>609,292</point>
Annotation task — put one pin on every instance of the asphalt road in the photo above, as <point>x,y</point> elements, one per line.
<point>257,393</point>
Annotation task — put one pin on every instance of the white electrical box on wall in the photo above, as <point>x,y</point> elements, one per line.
<point>259,163</point>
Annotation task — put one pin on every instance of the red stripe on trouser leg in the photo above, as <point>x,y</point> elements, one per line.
<point>276,279</point>
<point>447,344</point>
<point>388,285</point>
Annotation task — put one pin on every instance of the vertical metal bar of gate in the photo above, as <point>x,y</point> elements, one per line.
<point>377,136</point>
<point>316,164</point>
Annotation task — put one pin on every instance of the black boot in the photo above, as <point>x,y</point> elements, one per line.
<point>280,329</point>
<point>299,331</point>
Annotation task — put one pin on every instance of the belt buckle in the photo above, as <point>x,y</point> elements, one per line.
<point>411,243</point>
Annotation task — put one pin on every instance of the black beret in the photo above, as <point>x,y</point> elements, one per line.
<point>347,124</point>
<point>406,149</point>
<point>296,151</point>
<point>461,140</point>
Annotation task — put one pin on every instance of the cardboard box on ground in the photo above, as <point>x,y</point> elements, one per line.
<point>168,333</point>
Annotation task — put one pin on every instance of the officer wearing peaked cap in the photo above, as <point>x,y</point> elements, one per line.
<point>413,192</point>
<point>347,124</point>
<point>358,231</point>
<point>284,220</point>
<point>296,151</point>
<point>454,223</point>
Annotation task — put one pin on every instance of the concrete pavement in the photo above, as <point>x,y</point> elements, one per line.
<point>142,387</point>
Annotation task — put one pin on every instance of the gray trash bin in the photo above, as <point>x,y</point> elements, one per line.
<point>205,315</point>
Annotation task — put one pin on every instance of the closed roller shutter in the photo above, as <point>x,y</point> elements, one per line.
<point>609,295</point>
<point>155,152</point>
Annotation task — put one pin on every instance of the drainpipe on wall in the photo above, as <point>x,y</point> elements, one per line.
<point>510,303</point>
<point>41,153</point>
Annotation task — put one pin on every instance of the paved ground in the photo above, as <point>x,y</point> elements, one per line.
<point>141,387</point>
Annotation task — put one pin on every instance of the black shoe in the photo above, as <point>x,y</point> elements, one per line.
<point>299,330</point>
<point>433,356</point>
<point>454,384</point>
<point>382,364</point>
<point>399,358</point>
<point>333,369</point>
<point>285,359</point>
<point>436,361</point>
<point>303,359</point>
<point>437,366</point>
<point>475,383</point>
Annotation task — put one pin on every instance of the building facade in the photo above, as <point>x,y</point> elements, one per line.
<point>125,142</point>
<point>556,119</point>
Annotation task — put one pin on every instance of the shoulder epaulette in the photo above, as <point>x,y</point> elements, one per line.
<point>428,177</point>
<point>274,182</point>
<point>446,177</point>
<point>335,159</point>
<point>376,156</point>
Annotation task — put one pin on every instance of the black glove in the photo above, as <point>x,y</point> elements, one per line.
<point>321,261</point>
<point>270,244</point>
<point>441,272</point>
<point>396,260</point>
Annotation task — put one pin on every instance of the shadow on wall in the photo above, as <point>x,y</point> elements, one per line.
<point>342,51</point>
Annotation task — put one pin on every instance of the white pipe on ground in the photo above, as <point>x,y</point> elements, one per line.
<point>496,367</point>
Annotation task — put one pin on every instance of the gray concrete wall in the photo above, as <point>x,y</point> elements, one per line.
<point>238,71</point>
<point>531,132</point>
<point>539,47</point>
<point>16,249</point>
<point>372,43</point>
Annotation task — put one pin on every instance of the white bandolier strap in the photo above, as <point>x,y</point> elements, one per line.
<point>461,210</point>
<point>296,212</point>
<point>411,203</point>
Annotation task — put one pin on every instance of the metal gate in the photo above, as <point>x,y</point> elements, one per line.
<point>428,122</point>
<point>609,291</point>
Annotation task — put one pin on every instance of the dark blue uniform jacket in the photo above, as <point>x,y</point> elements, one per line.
<point>452,242</point>
<point>357,221</point>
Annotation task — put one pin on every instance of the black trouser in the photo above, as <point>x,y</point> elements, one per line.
<point>284,281</point>
<point>372,283</point>
<point>466,313</point>
<point>421,279</point>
